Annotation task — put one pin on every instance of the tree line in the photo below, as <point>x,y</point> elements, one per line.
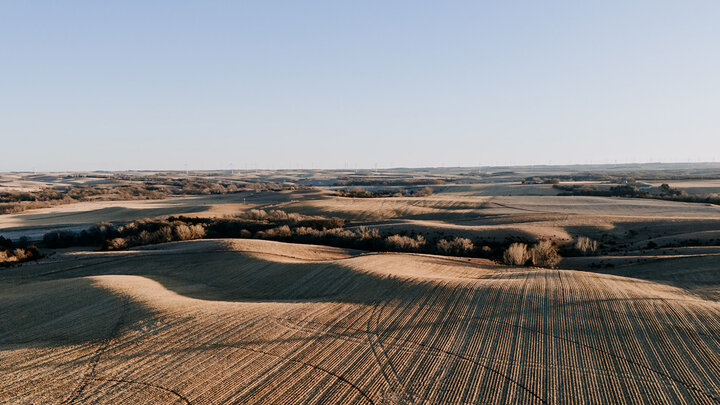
<point>298,228</point>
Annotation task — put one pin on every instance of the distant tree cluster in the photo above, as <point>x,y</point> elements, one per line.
<point>135,189</point>
<point>298,228</point>
<point>541,180</point>
<point>385,182</point>
<point>633,190</point>
<point>401,192</point>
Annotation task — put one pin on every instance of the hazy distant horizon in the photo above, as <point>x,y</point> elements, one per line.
<point>151,86</point>
<point>619,165</point>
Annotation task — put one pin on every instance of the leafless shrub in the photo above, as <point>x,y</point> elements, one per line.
<point>19,253</point>
<point>307,231</point>
<point>586,246</point>
<point>365,233</point>
<point>545,254</point>
<point>340,233</point>
<point>182,232</point>
<point>162,235</point>
<point>278,232</point>
<point>198,231</point>
<point>144,238</point>
<point>115,244</point>
<point>405,242</point>
<point>294,217</point>
<point>9,255</point>
<point>457,246</point>
<point>257,215</point>
<point>188,232</point>
<point>516,254</point>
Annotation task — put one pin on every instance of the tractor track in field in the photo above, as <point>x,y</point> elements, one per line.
<point>530,336</point>
<point>126,381</point>
<point>381,357</point>
<point>315,367</point>
<point>156,386</point>
<point>324,370</point>
<point>95,359</point>
<point>428,349</point>
<point>378,351</point>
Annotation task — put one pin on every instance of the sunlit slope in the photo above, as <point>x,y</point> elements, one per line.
<point>264,322</point>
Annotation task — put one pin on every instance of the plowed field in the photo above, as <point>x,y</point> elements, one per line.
<point>247,321</point>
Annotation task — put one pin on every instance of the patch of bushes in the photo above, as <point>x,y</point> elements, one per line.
<point>92,236</point>
<point>541,180</point>
<point>148,232</point>
<point>401,242</point>
<point>423,192</point>
<point>272,224</point>
<point>19,252</point>
<point>457,246</point>
<point>362,193</point>
<point>516,254</point>
<point>544,254</point>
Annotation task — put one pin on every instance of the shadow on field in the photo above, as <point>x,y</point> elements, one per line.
<point>61,312</point>
<point>639,232</point>
<point>108,214</point>
<point>60,305</point>
<point>701,269</point>
<point>223,275</point>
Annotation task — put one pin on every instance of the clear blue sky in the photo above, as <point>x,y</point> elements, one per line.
<point>90,85</point>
